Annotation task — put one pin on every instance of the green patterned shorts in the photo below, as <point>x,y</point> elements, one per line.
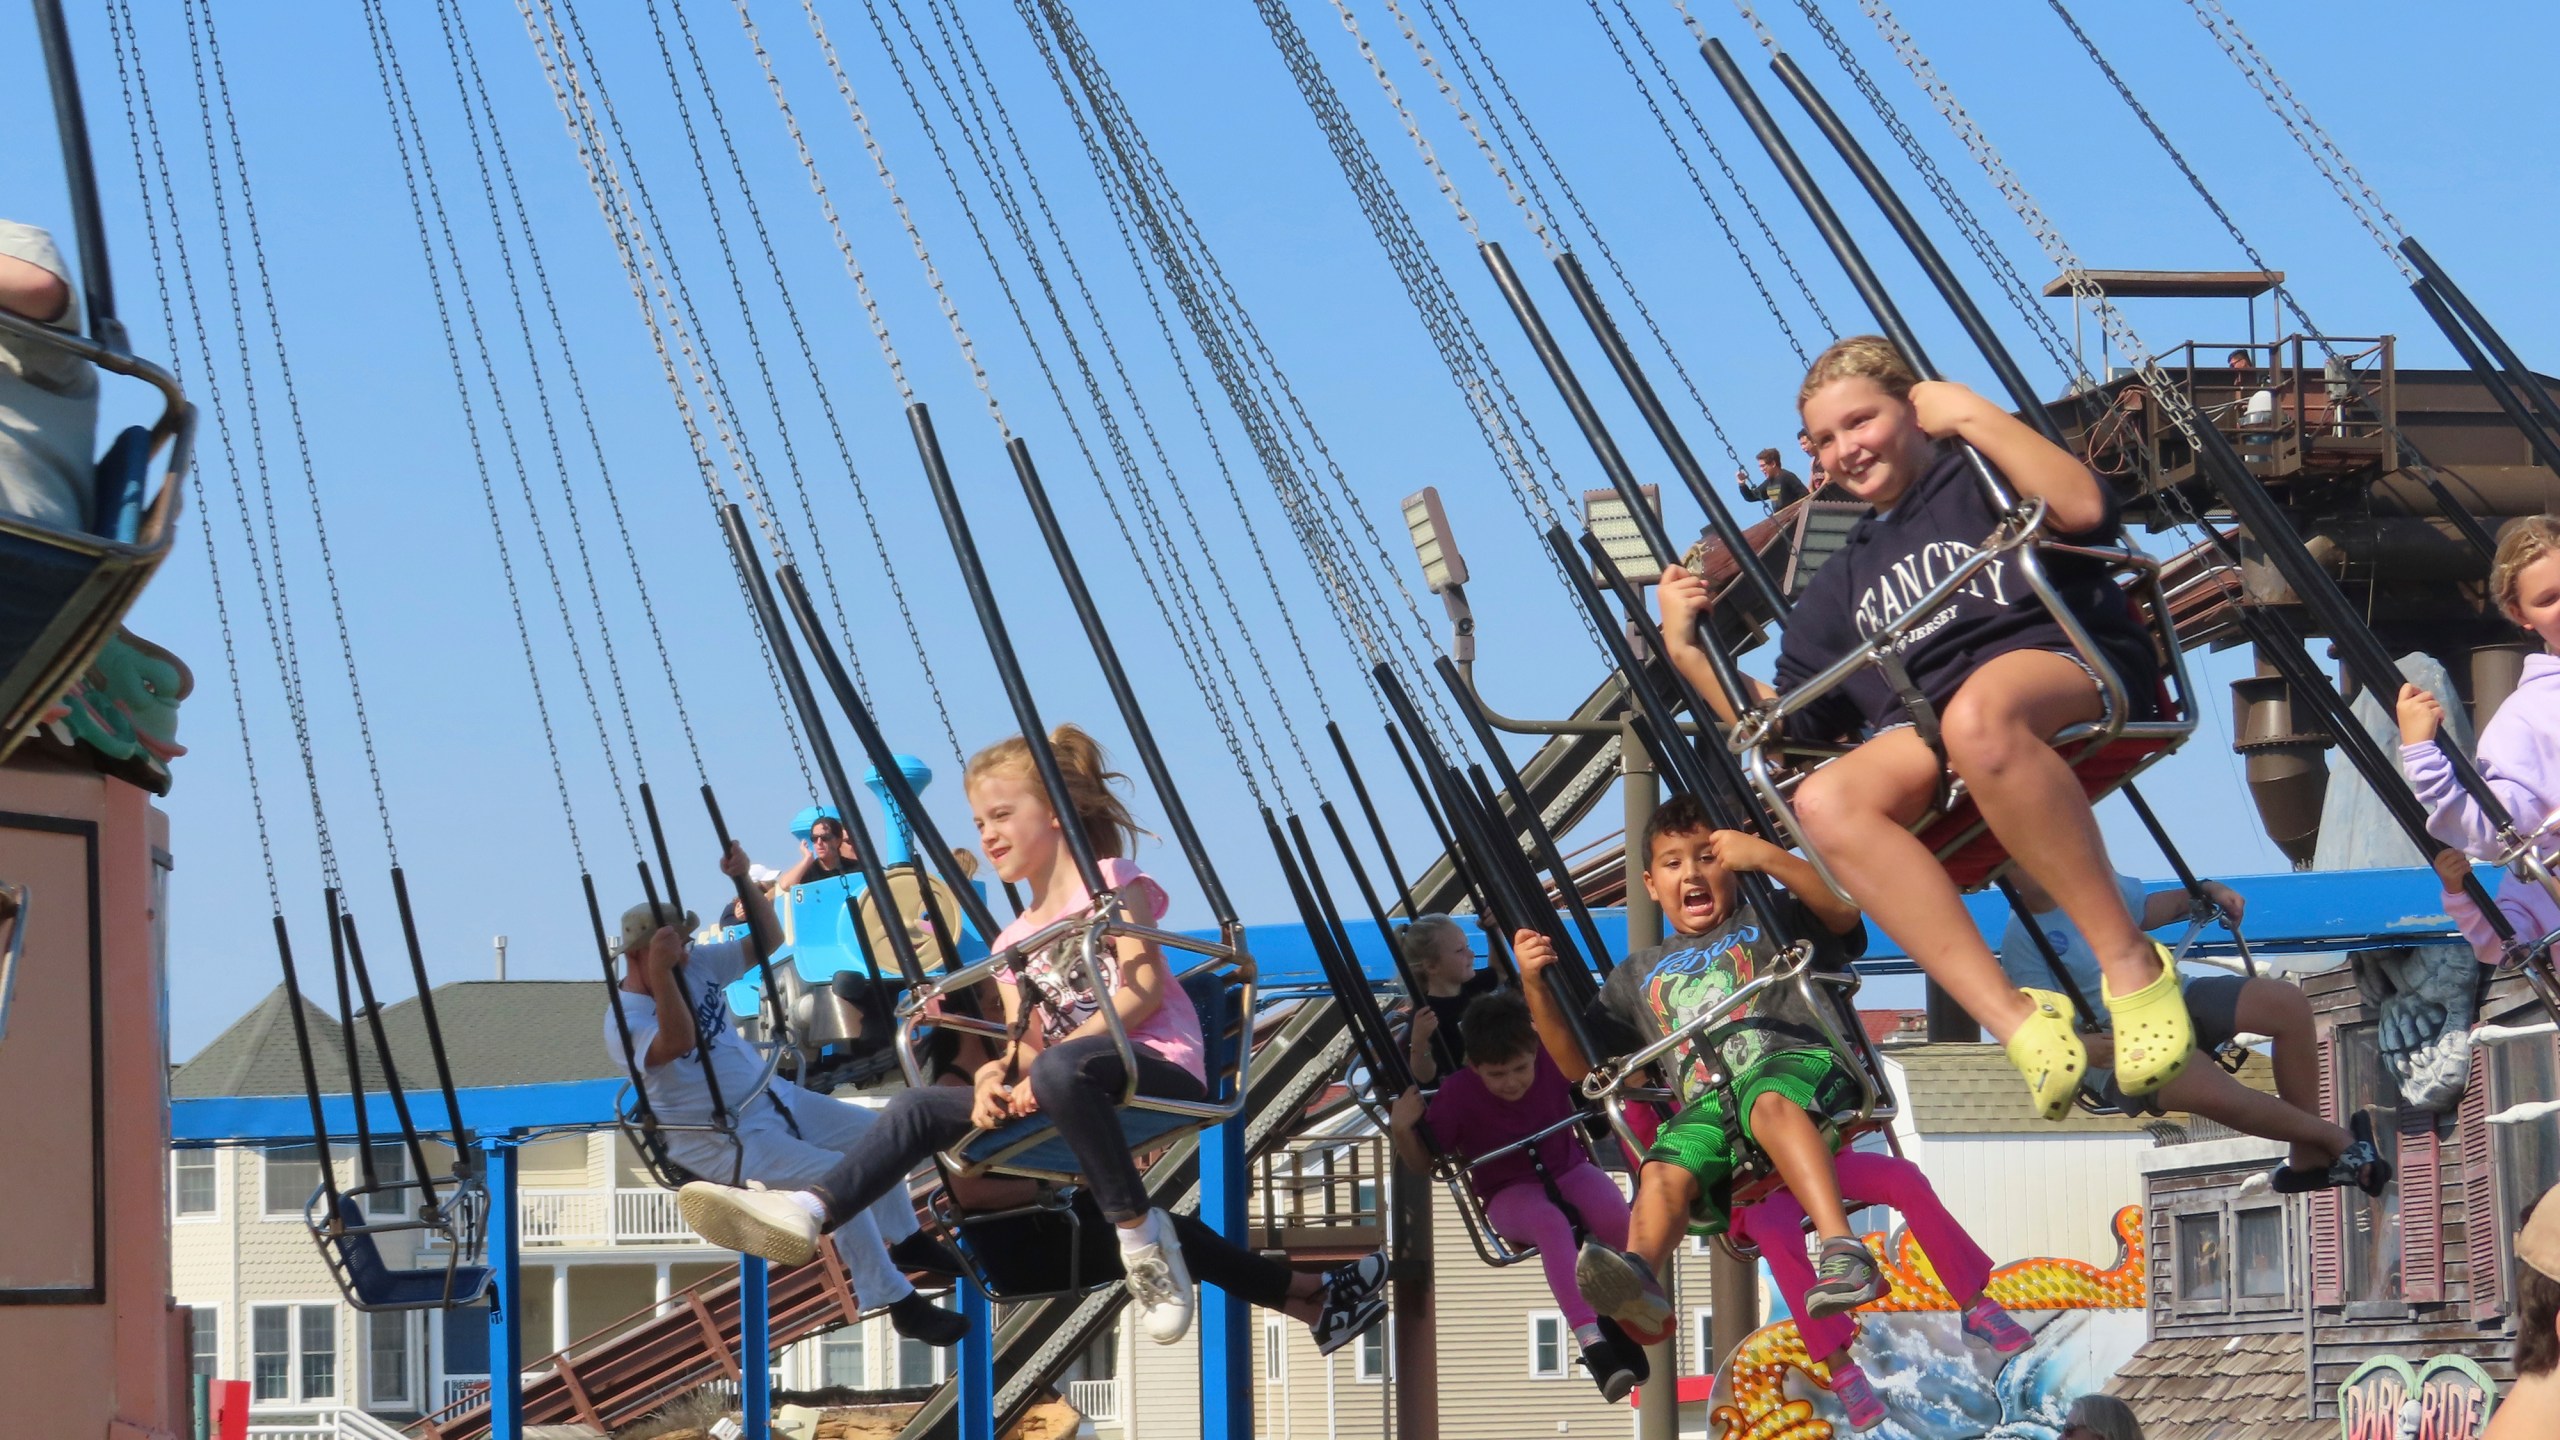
<point>1706,1138</point>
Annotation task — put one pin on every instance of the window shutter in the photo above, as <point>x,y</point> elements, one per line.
<point>2421,1209</point>
<point>2481,1220</point>
<point>2328,1262</point>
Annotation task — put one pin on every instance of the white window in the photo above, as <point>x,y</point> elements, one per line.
<point>843,1358</point>
<point>204,1341</point>
<point>1547,1336</point>
<point>390,1167</point>
<point>292,1173</point>
<point>1275,1348</point>
<point>1373,1362</point>
<point>293,1353</point>
<point>387,1366</point>
<point>918,1363</point>
<point>1702,1325</point>
<point>194,1192</point>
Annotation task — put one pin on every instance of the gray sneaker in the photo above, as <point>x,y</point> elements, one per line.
<point>1622,1287</point>
<point>1844,1277</point>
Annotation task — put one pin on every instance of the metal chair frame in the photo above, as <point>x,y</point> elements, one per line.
<point>462,1219</point>
<point>1087,934</point>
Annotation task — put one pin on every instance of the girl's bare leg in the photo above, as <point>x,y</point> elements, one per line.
<point>1996,733</point>
<point>1858,810</point>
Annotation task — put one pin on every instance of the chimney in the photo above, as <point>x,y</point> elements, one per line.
<point>502,957</point>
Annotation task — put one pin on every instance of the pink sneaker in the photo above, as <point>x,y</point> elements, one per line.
<point>1849,1386</point>
<point>1985,1323</point>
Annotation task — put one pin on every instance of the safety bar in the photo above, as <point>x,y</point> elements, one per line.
<point>175,428</point>
<point>1757,735</point>
<point>1490,1244</point>
<point>1088,931</point>
<point>462,1221</point>
<point>647,1133</point>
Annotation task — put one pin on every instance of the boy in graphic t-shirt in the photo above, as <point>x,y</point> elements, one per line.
<point>1765,1079</point>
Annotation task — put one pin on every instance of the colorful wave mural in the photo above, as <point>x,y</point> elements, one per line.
<point>2087,1321</point>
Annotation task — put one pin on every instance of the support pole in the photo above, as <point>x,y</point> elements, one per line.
<point>1416,1335</point>
<point>1658,1403</point>
<point>977,1378</point>
<point>1226,1322</point>
<point>506,1335</point>
<point>755,1348</point>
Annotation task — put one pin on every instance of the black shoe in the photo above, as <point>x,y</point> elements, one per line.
<point>920,1319</point>
<point>923,1252</point>
<point>1617,1366</point>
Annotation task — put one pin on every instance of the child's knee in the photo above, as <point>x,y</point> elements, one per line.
<point>1773,1111</point>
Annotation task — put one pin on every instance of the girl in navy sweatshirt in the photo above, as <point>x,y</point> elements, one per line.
<point>2000,675</point>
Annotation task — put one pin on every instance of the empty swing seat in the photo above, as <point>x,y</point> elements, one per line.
<point>1032,1146</point>
<point>369,1281</point>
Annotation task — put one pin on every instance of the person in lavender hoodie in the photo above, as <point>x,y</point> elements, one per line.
<point>2519,752</point>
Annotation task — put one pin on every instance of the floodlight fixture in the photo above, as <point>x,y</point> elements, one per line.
<point>1443,568</point>
<point>1437,545</point>
<point>1605,515</point>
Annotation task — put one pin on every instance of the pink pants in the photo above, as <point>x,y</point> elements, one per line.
<point>1522,1214</point>
<point>1776,1225</point>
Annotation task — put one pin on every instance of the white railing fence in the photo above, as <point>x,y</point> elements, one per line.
<point>1096,1400</point>
<point>339,1425</point>
<point>461,1387</point>
<point>648,1217</point>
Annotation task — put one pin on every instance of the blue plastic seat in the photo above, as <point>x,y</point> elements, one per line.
<point>371,1284</point>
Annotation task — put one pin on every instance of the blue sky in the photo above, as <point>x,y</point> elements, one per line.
<point>468,780</point>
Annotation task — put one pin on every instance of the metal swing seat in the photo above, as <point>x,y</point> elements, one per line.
<point>2103,753</point>
<point>1457,1172</point>
<point>1831,998</point>
<point>1219,982</point>
<point>342,1222</point>
<point>63,592</point>
<point>641,1128</point>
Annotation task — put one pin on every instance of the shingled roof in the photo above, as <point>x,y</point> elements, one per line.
<point>496,1032</point>
<point>2221,1388</point>
<point>1970,1089</point>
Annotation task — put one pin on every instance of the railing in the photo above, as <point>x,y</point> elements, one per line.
<point>560,1218</point>
<point>1317,1188</point>
<point>346,1424</point>
<point>2287,408</point>
<point>648,1217</point>
<point>459,1388</point>
<point>1095,1400</point>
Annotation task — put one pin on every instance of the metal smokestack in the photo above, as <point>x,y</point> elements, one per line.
<point>502,956</point>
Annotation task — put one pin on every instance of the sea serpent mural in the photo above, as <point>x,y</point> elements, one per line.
<point>2087,1321</point>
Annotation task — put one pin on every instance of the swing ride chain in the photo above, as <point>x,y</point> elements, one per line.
<point>376,24</point>
<point>2306,131</point>
<point>278,604</point>
<point>1184,642</point>
<point>120,23</point>
<point>301,436</point>
<point>1357,615</point>
<point>468,56</point>
<point>906,221</point>
<point>2142,112</point>
<point>1732,241</point>
<point>1521,188</point>
<point>1462,349</point>
<point>945,26</point>
<point>397,77</point>
<point>550,426</point>
<point>746,312</point>
<point>879,330</point>
<point>1699,33</point>
<point>1216,313</point>
<point>1008,200</point>
<point>641,270</point>
<point>1988,251</point>
<point>1573,199</point>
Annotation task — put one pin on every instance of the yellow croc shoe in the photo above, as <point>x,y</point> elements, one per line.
<point>2153,1035</point>
<point>2048,1052</point>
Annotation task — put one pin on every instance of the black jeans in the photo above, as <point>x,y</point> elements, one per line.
<point>1036,1255</point>
<point>1077,1083</point>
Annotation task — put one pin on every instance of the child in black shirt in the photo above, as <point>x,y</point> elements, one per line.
<point>1443,963</point>
<point>2002,679</point>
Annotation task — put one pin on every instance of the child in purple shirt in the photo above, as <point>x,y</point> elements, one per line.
<point>1508,1091</point>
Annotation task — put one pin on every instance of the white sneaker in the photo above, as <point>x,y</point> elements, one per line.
<point>1159,1282</point>
<point>752,1221</point>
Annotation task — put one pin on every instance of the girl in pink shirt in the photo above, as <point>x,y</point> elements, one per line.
<point>1508,1091</point>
